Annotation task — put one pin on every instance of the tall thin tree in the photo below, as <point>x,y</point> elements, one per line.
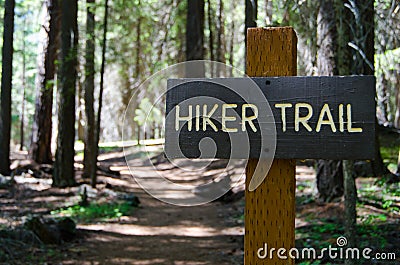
<point>232,35</point>
<point>6,84</point>
<point>221,46</point>
<point>195,30</point>
<point>90,160</point>
<point>23,81</point>
<point>210,16</point>
<point>64,163</point>
<point>40,150</point>
<point>251,11</point>
<point>102,69</point>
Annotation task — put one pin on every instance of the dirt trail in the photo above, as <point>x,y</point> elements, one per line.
<point>155,233</point>
<point>161,233</point>
<point>164,234</point>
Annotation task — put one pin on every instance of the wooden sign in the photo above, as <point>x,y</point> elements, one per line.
<point>315,117</point>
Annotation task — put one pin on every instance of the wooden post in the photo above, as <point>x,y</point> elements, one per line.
<point>270,209</point>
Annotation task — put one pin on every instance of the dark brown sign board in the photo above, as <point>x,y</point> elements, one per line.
<point>315,117</point>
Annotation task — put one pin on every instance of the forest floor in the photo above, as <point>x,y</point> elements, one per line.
<point>112,230</point>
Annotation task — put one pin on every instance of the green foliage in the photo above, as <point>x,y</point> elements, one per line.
<point>304,199</point>
<point>386,196</point>
<point>371,235</point>
<point>390,144</point>
<point>95,211</point>
<point>147,113</point>
<point>372,218</point>
<point>319,234</point>
<point>390,154</point>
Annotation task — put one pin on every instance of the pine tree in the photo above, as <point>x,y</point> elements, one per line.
<point>64,161</point>
<point>6,84</point>
<point>40,150</point>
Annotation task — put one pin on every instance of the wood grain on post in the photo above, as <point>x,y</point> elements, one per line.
<point>270,209</point>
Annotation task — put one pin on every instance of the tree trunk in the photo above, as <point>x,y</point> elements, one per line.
<point>22,120</point>
<point>232,37</point>
<point>138,133</point>
<point>397,114</point>
<point>40,150</point>
<point>368,24</point>
<point>220,38</point>
<point>251,11</point>
<point>350,189</point>
<point>383,99</point>
<point>378,168</point>
<point>90,160</point>
<point>362,28</point>
<point>81,121</point>
<point>6,84</point>
<point>329,173</point>
<point>350,200</point>
<point>250,17</point>
<point>398,164</point>
<point>211,36</point>
<point>195,30</point>
<point>103,63</point>
<point>138,42</point>
<point>269,9</point>
<point>327,39</point>
<point>181,35</point>
<point>329,179</point>
<point>363,51</point>
<point>64,163</point>
<point>22,113</point>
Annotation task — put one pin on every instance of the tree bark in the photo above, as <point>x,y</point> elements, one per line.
<point>40,150</point>
<point>268,12</point>
<point>220,38</point>
<point>378,168</point>
<point>211,35</point>
<point>362,28</point>
<point>397,114</point>
<point>22,113</point>
<point>64,163</point>
<point>350,202</point>
<point>102,68</point>
<point>251,11</point>
<point>22,120</point>
<point>90,160</point>
<point>329,172</point>
<point>138,42</point>
<point>350,189</point>
<point>398,164</point>
<point>329,179</point>
<point>368,24</point>
<point>81,109</point>
<point>367,41</point>
<point>195,30</point>
<point>232,36</point>
<point>327,39</point>
<point>6,85</point>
